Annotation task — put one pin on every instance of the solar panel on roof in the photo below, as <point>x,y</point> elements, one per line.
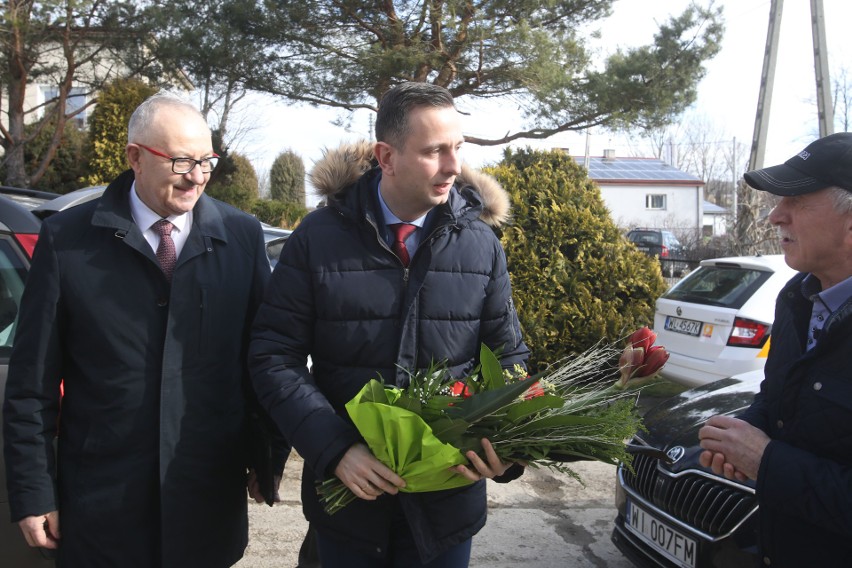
<point>635,169</point>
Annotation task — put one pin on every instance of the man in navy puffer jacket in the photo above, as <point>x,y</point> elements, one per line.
<point>795,440</point>
<point>341,295</point>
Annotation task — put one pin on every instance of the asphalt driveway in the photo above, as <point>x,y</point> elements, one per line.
<point>541,520</point>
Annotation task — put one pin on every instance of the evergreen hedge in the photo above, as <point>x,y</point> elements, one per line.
<point>108,128</point>
<point>287,178</point>
<point>576,280</point>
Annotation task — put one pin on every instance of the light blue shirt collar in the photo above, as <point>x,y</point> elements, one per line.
<point>826,302</point>
<point>413,241</point>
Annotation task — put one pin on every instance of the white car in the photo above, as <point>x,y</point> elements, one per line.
<point>717,321</point>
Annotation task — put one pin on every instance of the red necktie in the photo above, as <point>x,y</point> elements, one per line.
<point>166,254</point>
<point>401,231</point>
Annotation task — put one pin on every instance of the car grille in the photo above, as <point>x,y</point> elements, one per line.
<point>706,504</point>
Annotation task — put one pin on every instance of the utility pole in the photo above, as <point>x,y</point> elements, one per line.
<point>747,208</point>
<point>823,85</point>
<point>767,80</point>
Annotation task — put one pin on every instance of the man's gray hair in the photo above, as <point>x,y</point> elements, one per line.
<point>842,199</point>
<point>392,119</point>
<point>143,116</point>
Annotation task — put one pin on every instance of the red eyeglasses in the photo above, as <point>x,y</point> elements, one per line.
<point>186,165</point>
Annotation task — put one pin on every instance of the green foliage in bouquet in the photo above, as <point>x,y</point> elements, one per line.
<point>564,414</point>
<point>575,278</point>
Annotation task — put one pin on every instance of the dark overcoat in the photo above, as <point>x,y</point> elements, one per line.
<point>804,484</point>
<point>151,464</point>
<point>341,296</point>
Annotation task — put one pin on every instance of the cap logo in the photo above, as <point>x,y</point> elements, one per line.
<point>804,154</point>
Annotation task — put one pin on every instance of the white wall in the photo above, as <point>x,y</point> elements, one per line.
<point>627,205</point>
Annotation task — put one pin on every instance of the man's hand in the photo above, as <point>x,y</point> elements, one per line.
<point>366,476</point>
<point>493,468</point>
<point>734,448</point>
<point>254,488</point>
<point>41,530</point>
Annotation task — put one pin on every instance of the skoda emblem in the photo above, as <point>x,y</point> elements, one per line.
<point>679,311</point>
<point>675,453</point>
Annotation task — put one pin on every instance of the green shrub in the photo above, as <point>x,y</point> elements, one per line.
<point>287,178</point>
<point>576,280</point>
<point>236,183</point>
<point>108,128</point>
<point>67,171</point>
<point>278,213</point>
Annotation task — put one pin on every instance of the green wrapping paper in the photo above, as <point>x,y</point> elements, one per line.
<point>401,440</point>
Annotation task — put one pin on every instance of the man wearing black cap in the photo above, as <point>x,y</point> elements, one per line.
<point>795,440</point>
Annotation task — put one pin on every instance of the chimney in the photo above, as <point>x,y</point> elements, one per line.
<point>609,155</point>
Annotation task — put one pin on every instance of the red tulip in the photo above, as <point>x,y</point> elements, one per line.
<point>460,389</point>
<point>534,391</point>
<point>654,361</point>
<point>641,359</point>
<point>642,338</point>
<point>630,360</point>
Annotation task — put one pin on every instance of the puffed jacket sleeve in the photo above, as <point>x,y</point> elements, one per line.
<point>281,342</point>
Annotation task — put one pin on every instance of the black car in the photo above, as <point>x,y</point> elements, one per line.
<point>661,244</point>
<point>672,512</point>
<point>18,234</point>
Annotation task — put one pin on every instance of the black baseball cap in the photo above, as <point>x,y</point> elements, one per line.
<point>824,163</point>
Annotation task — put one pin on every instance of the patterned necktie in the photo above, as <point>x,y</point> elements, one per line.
<point>401,231</point>
<point>166,250</point>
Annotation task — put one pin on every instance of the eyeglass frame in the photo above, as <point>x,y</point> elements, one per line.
<point>200,162</point>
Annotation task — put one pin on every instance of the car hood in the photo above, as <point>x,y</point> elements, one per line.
<point>676,421</point>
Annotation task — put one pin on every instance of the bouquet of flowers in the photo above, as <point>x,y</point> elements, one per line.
<point>571,411</point>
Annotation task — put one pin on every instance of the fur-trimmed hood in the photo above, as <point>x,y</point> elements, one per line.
<point>343,166</point>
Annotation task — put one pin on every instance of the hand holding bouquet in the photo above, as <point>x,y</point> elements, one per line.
<point>572,411</point>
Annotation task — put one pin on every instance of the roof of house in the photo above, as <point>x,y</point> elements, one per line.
<point>713,209</point>
<point>636,171</point>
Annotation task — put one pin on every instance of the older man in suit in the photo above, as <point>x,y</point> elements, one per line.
<point>141,302</point>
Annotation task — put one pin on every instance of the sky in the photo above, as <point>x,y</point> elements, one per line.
<point>727,95</point>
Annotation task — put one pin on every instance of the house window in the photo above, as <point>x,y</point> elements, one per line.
<point>655,201</point>
<point>75,101</point>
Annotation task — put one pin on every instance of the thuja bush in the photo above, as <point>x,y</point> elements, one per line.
<point>108,128</point>
<point>287,178</point>
<point>235,182</point>
<point>576,280</point>
<point>278,213</point>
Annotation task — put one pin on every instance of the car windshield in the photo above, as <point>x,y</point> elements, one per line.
<point>725,286</point>
<point>646,237</point>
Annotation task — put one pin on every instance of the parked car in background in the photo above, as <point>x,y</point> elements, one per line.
<point>656,242</point>
<point>18,235</point>
<point>661,244</point>
<point>275,238</point>
<point>673,513</point>
<point>717,321</point>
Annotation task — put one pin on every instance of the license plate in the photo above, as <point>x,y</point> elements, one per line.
<point>678,548</point>
<point>685,326</point>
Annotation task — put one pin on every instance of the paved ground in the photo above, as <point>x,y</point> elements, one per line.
<point>541,520</point>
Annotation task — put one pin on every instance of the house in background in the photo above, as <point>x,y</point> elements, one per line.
<point>648,192</point>
<point>715,220</point>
